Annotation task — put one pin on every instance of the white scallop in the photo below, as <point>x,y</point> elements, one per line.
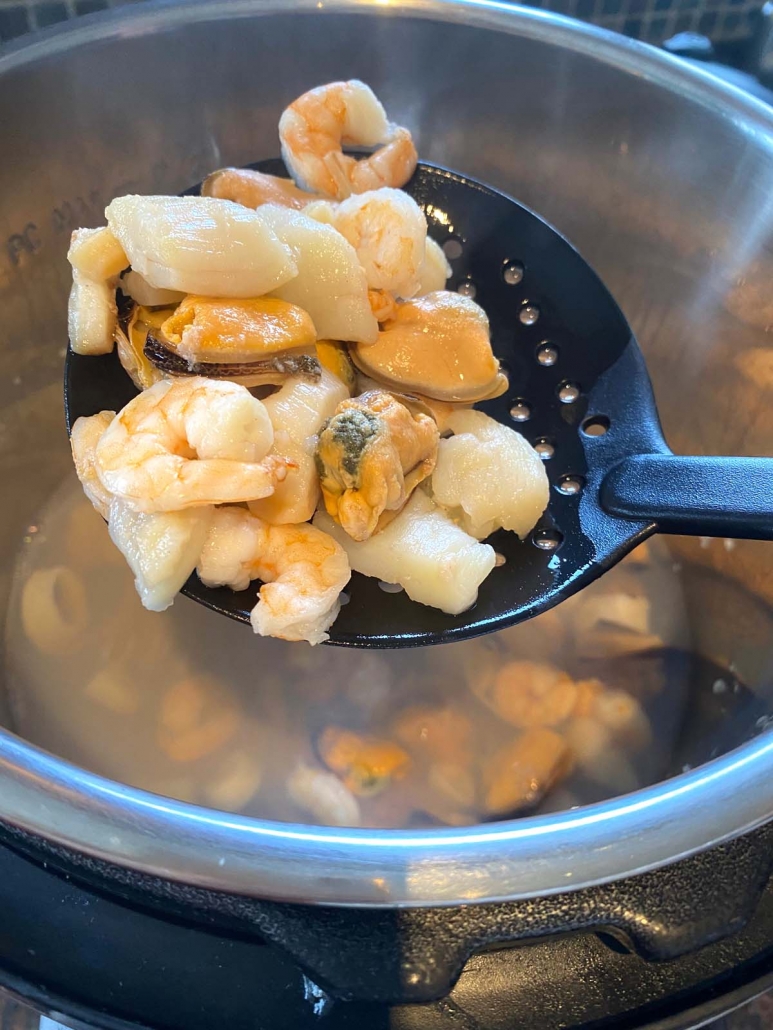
<point>491,475</point>
<point>435,561</point>
<point>330,284</point>
<point>200,245</point>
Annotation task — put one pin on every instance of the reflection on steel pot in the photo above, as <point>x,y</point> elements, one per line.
<point>661,176</point>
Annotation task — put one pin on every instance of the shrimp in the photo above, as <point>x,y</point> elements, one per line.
<point>249,188</point>
<point>315,125</point>
<point>161,549</point>
<point>303,572</point>
<point>382,304</point>
<point>527,694</point>
<point>388,230</point>
<point>85,435</point>
<point>189,443</point>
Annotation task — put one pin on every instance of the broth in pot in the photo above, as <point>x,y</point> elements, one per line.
<point>582,703</point>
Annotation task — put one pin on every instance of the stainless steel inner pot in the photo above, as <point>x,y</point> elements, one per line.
<point>659,173</point>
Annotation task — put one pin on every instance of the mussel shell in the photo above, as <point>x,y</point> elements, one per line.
<point>487,391</point>
<point>273,370</point>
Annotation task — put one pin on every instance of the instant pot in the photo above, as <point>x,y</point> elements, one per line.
<point>121,908</point>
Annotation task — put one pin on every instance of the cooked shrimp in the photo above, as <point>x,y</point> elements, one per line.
<point>388,230</point>
<point>315,125</point>
<point>303,572</point>
<point>161,549</point>
<point>527,694</point>
<point>382,304</point>
<point>85,435</point>
<point>249,188</point>
<point>189,443</point>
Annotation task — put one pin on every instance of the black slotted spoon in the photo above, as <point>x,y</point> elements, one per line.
<point>579,392</point>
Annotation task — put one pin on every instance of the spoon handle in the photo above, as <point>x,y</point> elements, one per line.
<point>694,496</point>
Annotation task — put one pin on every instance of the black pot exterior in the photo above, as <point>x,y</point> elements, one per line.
<point>117,948</point>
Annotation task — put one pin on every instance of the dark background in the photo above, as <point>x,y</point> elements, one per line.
<point>723,21</point>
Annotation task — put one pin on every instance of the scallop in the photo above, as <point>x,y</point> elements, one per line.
<point>297,412</point>
<point>489,474</point>
<point>54,610</point>
<point>422,550</point>
<point>330,283</point>
<point>200,245</point>
<point>161,548</point>
<point>439,346</point>
<point>141,292</point>
<point>96,253</point>
<point>91,315</point>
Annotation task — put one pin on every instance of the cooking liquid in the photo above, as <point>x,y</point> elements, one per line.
<point>195,707</point>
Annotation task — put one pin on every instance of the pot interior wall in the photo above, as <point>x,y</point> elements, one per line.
<point>666,194</point>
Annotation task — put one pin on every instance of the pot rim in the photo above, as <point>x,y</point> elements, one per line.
<point>67,806</point>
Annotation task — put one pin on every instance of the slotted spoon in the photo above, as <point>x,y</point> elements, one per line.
<point>579,392</point>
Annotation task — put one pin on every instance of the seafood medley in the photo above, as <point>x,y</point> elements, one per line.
<point>306,384</point>
<point>580,703</point>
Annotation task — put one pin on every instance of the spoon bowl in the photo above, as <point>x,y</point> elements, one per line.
<point>579,392</point>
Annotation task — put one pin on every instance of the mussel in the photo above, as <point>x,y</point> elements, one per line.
<point>437,346</point>
<point>370,457</point>
<point>258,342</point>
